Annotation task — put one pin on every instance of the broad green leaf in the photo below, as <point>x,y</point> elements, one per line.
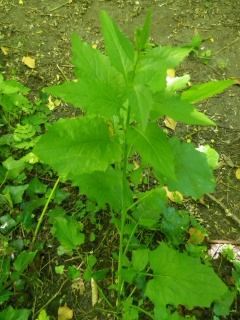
<point>118,47</point>
<point>73,273</point>
<point>129,312</point>
<point>171,105</point>
<point>222,306</point>
<point>14,167</point>
<point>26,216</point>
<point>151,69</point>
<point>93,96</point>
<point>212,155</point>
<point>193,174</point>
<point>150,207</point>
<point>91,63</point>
<point>78,146</point>
<point>21,263</point>
<point>104,187</point>
<point>154,148</point>
<point>205,90</point>
<point>12,314</point>
<point>67,233</point>
<point>140,259</point>
<point>7,223</point>
<point>142,34</point>
<point>140,99</point>
<point>175,225</point>
<point>180,279</point>
<point>4,296</point>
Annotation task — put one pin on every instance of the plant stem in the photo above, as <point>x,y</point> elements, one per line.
<point>123,215</point>
<point>43,213</point>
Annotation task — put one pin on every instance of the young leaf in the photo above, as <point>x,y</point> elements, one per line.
<point>171,105</point>
<point>142,34</point>
<point>180,279</point>
<point>21,263</point>
<point>194,176</point>
<point>104,187</point>
<point>14,167</point>
<point>67,233</point>
<point>78,146</point>
<point>205,90</point>
<point>118,47</point>
<point>154,148</point>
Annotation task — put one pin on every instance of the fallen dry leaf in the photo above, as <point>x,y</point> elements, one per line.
<point>78,286</point>
<point>28,61</point>
<point>5,50</point>
<point>170,123</point>
<point>236,80</point>
<point>94,292</point>
<point>237,173</point>
<point>65,313</point>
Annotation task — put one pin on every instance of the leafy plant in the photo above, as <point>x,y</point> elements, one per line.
<point>123,95</point>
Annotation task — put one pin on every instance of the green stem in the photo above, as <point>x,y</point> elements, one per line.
<point>43,213</point>
<point>123,217</point>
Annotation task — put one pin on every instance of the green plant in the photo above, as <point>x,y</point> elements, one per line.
<point>124,94</point>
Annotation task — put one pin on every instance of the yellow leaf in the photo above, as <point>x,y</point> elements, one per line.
<point>171,73</point>
<point>94,292</point>
<point>196,236</point>
<point>237,173</point>
<point>20,2</point>
<point>94,46</point>
<point>28,61</point>
<point>65,313</point>
<point>5,50</point>
<point>170,123</point>
<point>174,196</point>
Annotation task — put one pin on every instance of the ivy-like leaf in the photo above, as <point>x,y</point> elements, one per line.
<point>104,187</point>
<point>118,47</point>
<point>205,90</point>
<point>194,176</point>
<point>21,263</point>
<point>12,314</point>
<point>180,279</point>
<point>78,146</point>
<point>154,148</point>
<point>67,233</point>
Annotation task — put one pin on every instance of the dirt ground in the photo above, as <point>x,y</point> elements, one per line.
<point>42,30</point>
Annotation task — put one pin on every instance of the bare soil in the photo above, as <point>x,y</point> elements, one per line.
<point>42,29</point>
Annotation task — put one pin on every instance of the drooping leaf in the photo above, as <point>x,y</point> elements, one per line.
<point>180,279</point>
<point>21,263</point>
<point>12,314</point>
<point>171,105</point>
<point>78,146</point>
<point>104,187</point>
<point>194,176</point>
<point>154,148</point>
<point>142,34</point>
<point>118,47</point>
<point>205,90</point>
<point>67,233</point>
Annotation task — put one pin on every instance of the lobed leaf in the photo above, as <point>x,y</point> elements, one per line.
<point>78,146</point>
<point>180,279</point>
